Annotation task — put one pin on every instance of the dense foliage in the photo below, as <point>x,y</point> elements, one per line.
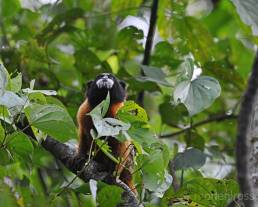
<point>184,134</point>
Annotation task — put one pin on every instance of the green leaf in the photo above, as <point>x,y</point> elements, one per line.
<point>186,70</point>
<point>55,101</point>
<point>2,133</point>
<point>140,132</point>
<point>20,144</point>
<point>125,5</point>
<point>51,119</point>
<point>11,100</point>
<point>209,191</point>
<point>248,12</point>
<point>155,75</point>
<point>173,115</point>
<point>5,115</point>
<point>165,55</point>
<point>105,148</point>
<point>100,110</point>
<point>5,158</point>
<point>130,36</point>
<point>16,83</point>
<point>106,104</point>
<point>45,92</point>
<point>198,94</point>
<point>194,140</point>
<point>110,195</point>
<point>3,79</point>
<point>86,58</point>
<point>108,126</point>
<point>159,192</point>
<point>37,98</point>
<point>7,198</point>
<point>9,8</point>
<point>154,165</point>
<point>194,37</point>
<point>225,73</point>
<point>153,171</point>
<point>60,23</point>
<point>132,112</point>
<point>89,201</point>
<point>32,84</point>
<point>190,158</point>
<point>114,63</point>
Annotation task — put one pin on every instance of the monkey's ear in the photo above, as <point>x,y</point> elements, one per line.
<point>122,83</point>
<point>89,83</point>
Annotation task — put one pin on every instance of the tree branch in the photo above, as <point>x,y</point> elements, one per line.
<point>149,43</point>
<point>217,118</point>
<point>69,158</point>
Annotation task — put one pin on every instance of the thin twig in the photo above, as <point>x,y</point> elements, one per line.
<point>217,118</point>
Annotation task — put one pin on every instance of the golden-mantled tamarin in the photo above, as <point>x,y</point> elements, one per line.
<point>96,92</point>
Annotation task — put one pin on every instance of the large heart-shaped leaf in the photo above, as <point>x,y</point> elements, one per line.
<point>190,158</point>
<point>51,119</point>
<point>247,10</point>
<point>197,94</point>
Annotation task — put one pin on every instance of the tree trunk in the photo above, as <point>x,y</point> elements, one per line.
<point>247,142</point>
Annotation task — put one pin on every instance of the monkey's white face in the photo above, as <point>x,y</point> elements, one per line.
<point>105,82</point>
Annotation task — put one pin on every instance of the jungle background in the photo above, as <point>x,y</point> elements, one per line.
<point>186,65</point>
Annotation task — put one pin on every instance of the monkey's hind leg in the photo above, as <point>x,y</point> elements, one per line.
<point>125,167</point>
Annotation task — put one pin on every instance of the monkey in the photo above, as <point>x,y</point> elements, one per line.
<point>97,91</point>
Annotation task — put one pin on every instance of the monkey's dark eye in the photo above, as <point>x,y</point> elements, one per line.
<point>110,77</point>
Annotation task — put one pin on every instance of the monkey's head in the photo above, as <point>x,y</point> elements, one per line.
<point>104,83</point>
